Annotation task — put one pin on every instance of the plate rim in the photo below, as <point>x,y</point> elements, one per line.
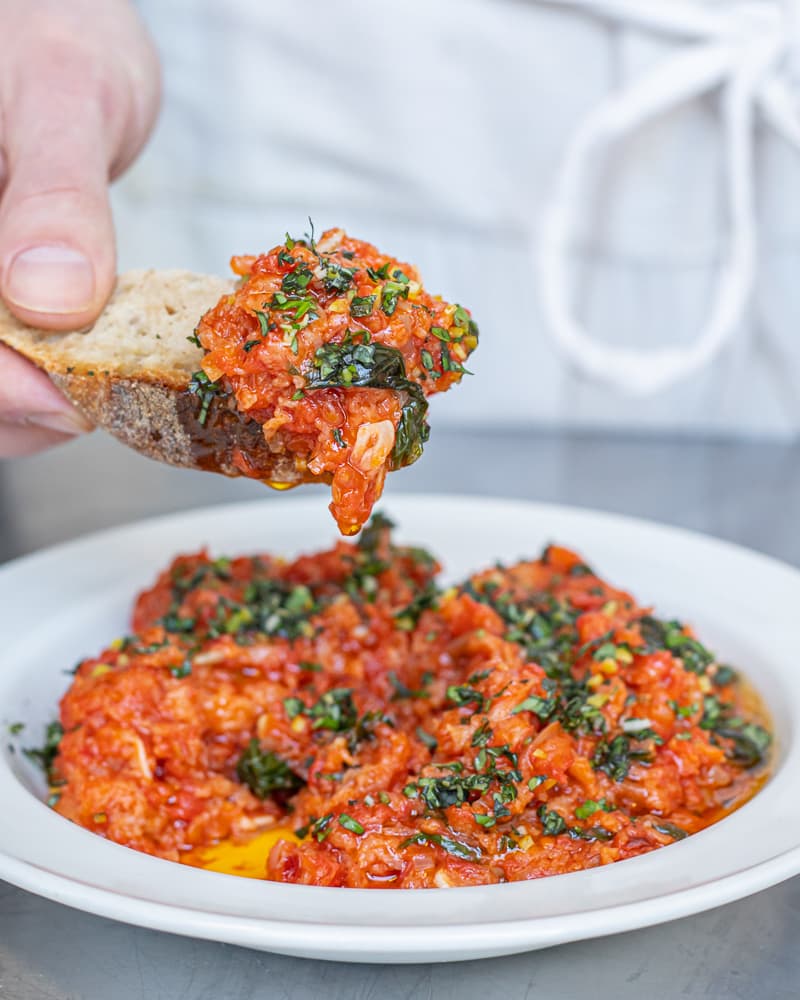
<point>404,944</point>
<point>545,507</point>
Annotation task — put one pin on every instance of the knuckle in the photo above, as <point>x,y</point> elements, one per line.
<point>66,201</point>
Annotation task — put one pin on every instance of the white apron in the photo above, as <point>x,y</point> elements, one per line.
<point>611,186</point>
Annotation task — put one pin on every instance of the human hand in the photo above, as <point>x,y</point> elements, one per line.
<point>79,92</point>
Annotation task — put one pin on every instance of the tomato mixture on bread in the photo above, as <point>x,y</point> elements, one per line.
<point>534,720</point>
<point>333,348</point>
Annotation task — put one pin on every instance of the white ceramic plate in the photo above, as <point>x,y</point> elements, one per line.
<point>68,602</point>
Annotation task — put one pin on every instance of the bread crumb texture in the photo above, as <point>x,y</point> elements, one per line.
<point>142,332</point>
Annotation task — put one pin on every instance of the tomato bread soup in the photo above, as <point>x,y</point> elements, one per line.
<point>333,348</point>
<point>342,720</point>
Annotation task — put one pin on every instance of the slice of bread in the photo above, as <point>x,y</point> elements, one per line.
<point>130,373</point>
<point>142,332</point>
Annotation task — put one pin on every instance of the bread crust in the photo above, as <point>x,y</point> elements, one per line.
<point>160,420</point>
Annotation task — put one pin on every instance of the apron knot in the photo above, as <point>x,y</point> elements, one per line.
<point>751,50</point>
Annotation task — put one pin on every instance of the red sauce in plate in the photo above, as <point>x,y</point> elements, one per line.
<point>340,720</point>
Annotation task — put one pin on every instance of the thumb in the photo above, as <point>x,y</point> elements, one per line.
<point>57,254</point>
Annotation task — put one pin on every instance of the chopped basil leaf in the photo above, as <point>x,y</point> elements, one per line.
<point>552,823</point>
<point>264,772</point>
<point>454,847</point>
<point>615,757</point>
<point>447,790</point>
<point>335,277</point>
<point>263,322</point>
<point>294,706</point>
<point>379,367</point>
<point>182,670</point>
<point>426,738</point>
<point>590,807</point>
<point>408,618</point>
<point>724,675</point>
<point>45,755</point>
<point>402,690</point>
<point>670,830</point>
<point>308,665</point>
<point>320,828</point>
<point>482,734</point>
<point>670,635</point>
<point>271,607</point>
<point>351,824</point>
<point>463,320</point>
<point>335,710</point>
<point>297,280</point>
<point>392,291</point>
<point>543,707</point>
<point>749,741</point>
<point>362,305</point>
<point>462,694</point>
<point>608,651</point>
<point>379,274</point>
<point>201,386</point>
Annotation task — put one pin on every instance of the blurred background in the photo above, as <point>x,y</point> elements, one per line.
<point>748,492</point>
<point>444,133</point>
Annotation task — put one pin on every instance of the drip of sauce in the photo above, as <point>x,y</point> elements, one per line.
<point>247,859</point>
<point>275,485</point>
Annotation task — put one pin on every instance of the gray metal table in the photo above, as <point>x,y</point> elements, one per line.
<point>749,493</point>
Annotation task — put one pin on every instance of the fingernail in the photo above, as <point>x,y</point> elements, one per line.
<point>51,279</point>
<point>66,422</point>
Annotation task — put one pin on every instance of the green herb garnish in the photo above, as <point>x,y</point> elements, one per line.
<point>334,710</point>
<point>543,707</point>
<point>45,755</point>
<point>402,690</point>
<point>615,756</point>
<point>670,830</point>
<point>454,847</point>
<point>590,807</point>
<point>552,823</point>
<point>182,670</point>
<point>463,694</point>
<point>264,772</point>
<point>263,322</point>
<point>351,824</point>
<point>362,305</point>
<point>376,366</point>
<point>670,635</point>
<point>336,278</point>
<point>201,386</point>
<point>426,738</point>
